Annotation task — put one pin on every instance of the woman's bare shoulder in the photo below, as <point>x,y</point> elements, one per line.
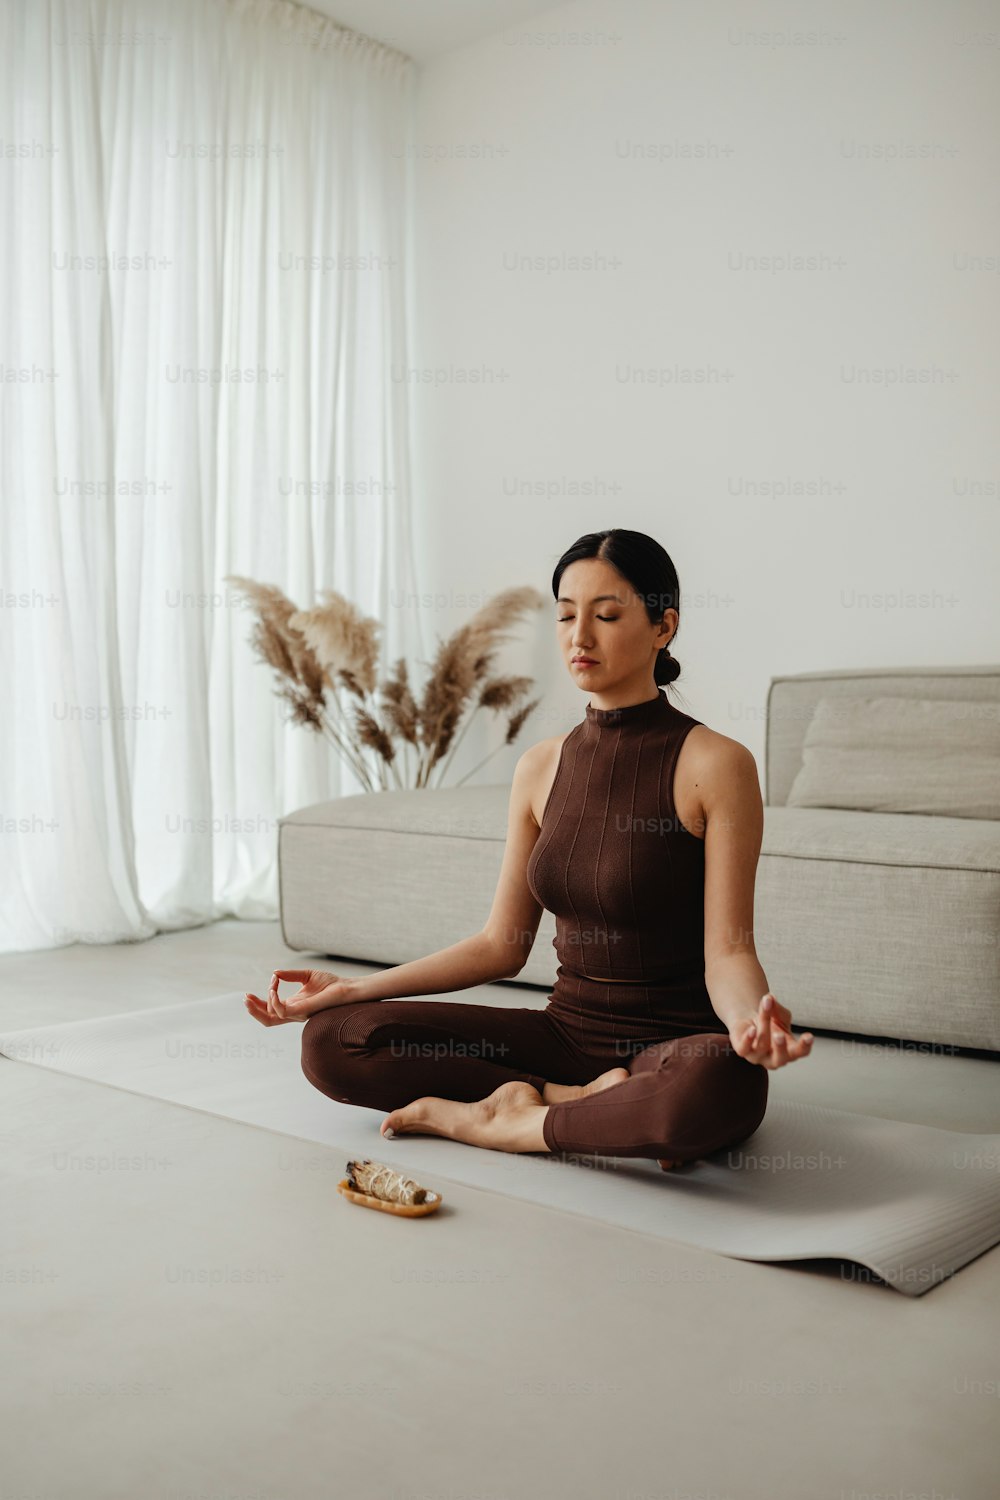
<point>714,746</point>
<point>537,766</point>
<point>714,762</point>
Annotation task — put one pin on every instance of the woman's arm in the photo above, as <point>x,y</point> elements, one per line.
<point>734,830</point>
<point>759,1026</point>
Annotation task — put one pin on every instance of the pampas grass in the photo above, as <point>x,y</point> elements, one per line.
<point>325,660</point>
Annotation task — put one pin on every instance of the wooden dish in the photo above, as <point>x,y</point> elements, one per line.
<point>407,1210</point>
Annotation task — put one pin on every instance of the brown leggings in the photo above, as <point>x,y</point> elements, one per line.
<point>685,1097</point>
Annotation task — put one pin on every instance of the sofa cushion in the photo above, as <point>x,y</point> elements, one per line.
<point>455,812</point>
<point>792,699</point>
<point>862,838</point>
<point>882,924</point>
<point>901,755</point>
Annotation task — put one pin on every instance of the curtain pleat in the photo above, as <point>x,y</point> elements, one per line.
<point>204,232</point>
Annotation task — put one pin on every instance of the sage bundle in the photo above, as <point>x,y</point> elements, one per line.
<point>380,1181</point>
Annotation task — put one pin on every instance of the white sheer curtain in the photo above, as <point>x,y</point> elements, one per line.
<point>202,327</point>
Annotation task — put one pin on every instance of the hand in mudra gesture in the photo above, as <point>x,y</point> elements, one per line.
<point>767,1037</point>
<point>318,991</point>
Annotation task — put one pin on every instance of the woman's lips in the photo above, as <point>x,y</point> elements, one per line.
<point>584,661</point>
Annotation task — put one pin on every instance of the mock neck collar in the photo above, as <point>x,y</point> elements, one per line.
<point>630,715</point>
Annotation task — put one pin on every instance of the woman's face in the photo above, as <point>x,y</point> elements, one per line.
<point>600,616</point>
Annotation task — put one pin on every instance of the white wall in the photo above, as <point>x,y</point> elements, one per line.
<point>540,142</point>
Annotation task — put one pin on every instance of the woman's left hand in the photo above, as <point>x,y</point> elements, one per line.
<point>767,1037</point>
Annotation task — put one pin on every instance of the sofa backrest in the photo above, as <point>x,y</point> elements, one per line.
<point>791,700</point>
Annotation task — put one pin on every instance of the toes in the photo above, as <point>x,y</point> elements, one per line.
<point>413,1117</point>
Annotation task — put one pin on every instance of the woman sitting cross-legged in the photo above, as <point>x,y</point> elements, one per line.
<point>640,830</point>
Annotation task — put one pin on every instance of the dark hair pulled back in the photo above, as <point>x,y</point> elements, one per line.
<point>644,564</point>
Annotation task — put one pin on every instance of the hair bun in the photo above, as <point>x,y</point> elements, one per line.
<point>668,668</point>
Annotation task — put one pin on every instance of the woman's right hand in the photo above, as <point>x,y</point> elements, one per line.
<point>318,991</point>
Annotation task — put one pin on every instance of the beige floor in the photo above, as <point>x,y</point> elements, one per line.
<point>192,1311</point>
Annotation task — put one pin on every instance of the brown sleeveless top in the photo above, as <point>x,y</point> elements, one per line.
<point>624,880</point>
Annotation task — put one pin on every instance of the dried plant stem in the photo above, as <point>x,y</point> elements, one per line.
<point>423,769</point>
<point>350,753</point>
<point>428,769</point>
<point>360,771</point>
<point>383,768</point>
<point>394,769</point>
<point>446,762</point>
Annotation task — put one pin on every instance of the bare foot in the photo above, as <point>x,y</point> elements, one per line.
<point>558,1093</point>
<point>510,1119</point>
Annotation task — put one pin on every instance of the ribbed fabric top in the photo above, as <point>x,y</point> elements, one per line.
<point>624,880</point>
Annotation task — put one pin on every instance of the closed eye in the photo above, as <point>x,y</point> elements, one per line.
<point>560,619</point>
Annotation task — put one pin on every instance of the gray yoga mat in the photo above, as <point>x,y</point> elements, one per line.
<point>912,1203</point>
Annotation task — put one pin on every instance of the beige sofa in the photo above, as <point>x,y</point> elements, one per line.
<point>874,923</point>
